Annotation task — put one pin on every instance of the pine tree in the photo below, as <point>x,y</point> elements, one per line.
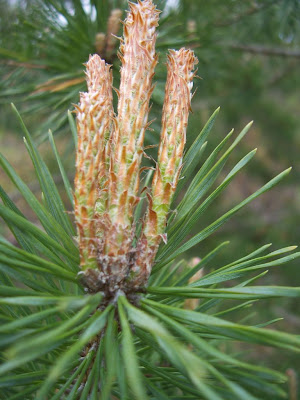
<point>109,315</point>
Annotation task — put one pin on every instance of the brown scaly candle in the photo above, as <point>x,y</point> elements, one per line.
<point>138,63</point>
<point>94,123</point>
<point>177,104</point>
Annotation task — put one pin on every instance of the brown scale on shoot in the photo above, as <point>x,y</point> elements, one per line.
<point>110,151</point>
<point>94,122</point>
<point>177,104</point>
<point>138,63</point>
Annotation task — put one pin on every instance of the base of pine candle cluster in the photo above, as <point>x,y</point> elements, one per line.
<point>94,280</point>
<point>92,283</point>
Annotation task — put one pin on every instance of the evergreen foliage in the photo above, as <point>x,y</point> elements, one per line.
<point>175,338</point>
<point>60,343</point>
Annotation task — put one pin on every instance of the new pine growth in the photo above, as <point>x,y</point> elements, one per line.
<point>110,151</point>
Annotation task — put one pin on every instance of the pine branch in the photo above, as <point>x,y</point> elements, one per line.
<point>78,317</point>
<point>255,8</point>
<point>266,51</point>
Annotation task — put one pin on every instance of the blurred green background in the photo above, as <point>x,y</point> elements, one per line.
<point>249,53</point>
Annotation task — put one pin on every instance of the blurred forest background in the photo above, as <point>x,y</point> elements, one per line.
<point>249,53</point>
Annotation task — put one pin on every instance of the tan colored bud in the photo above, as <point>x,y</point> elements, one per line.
<point>177,105</point>
<point>191,26</point>
<point>94,120</point>
<point>113,27</point>
<point>100,43</point>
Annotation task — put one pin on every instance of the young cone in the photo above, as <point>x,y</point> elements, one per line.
<point>94,121</point>
<point>177,104</point>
